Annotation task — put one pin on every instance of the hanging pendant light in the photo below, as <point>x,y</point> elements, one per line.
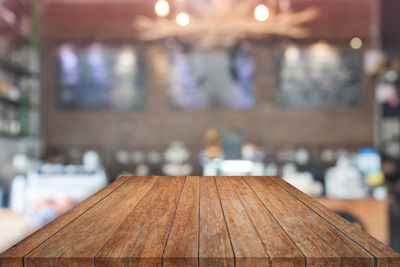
<point>161,8</point>
<point>261,12</point>
<point>182,19</point>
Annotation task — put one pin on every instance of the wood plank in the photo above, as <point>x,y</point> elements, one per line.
<point>79,242</point>
<point>319,241</point>
<point>215,247</point>
<point>377,225</point>
<point>281,249</point>
<point>14,255</point>
<point>183,243</point>
<point>141,238</point>
<point>247,244</point>
<point>205,221</point>
<point>385,256</point>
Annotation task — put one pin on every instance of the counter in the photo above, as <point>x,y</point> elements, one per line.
<point>206,221</point>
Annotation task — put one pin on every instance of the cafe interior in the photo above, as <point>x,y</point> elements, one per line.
<point>92,90</point>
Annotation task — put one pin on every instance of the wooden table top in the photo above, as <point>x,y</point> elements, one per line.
<point>207,221</point>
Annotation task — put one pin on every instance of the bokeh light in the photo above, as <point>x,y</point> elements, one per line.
<point>161,8</point>
<point>182,19</point>
<point>356,43</point>
<point>261,12</point>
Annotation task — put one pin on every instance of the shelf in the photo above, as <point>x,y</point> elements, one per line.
<point>15,68</point>
<point>11,33</point>
<point>12,30</point>
<point>3,135</point>
<point>388,111</point>
<point>9,101</point>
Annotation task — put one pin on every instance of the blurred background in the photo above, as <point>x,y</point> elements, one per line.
<point>91,90</point>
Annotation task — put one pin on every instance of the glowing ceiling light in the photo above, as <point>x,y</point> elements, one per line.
<point>161,8</point>
<point>261,12</point>
<point>356,43</point>
<point>182,19</point>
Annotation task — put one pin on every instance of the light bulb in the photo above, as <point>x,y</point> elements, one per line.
<point>261,12</point>
<point>356,43</point>
<point>161,8</point>
<point>182,19</point>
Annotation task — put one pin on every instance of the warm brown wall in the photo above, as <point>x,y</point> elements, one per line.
<point>158,124</point>
<point>390,25</point>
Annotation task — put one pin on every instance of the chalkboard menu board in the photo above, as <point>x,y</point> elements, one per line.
<point>215,78</point>
<point>99,76</point>
<point>318,77</point>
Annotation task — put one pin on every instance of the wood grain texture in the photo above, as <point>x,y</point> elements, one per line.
<point>200,221</point>
<point>14,255</point>
<point>384,255</point>
<point>141,238</point>
<point>78,242</point>
<point>307,229</point>
<point>257,238</point>
<point>215,247</point>
<point>377,226</point>
<point>183,243</point>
